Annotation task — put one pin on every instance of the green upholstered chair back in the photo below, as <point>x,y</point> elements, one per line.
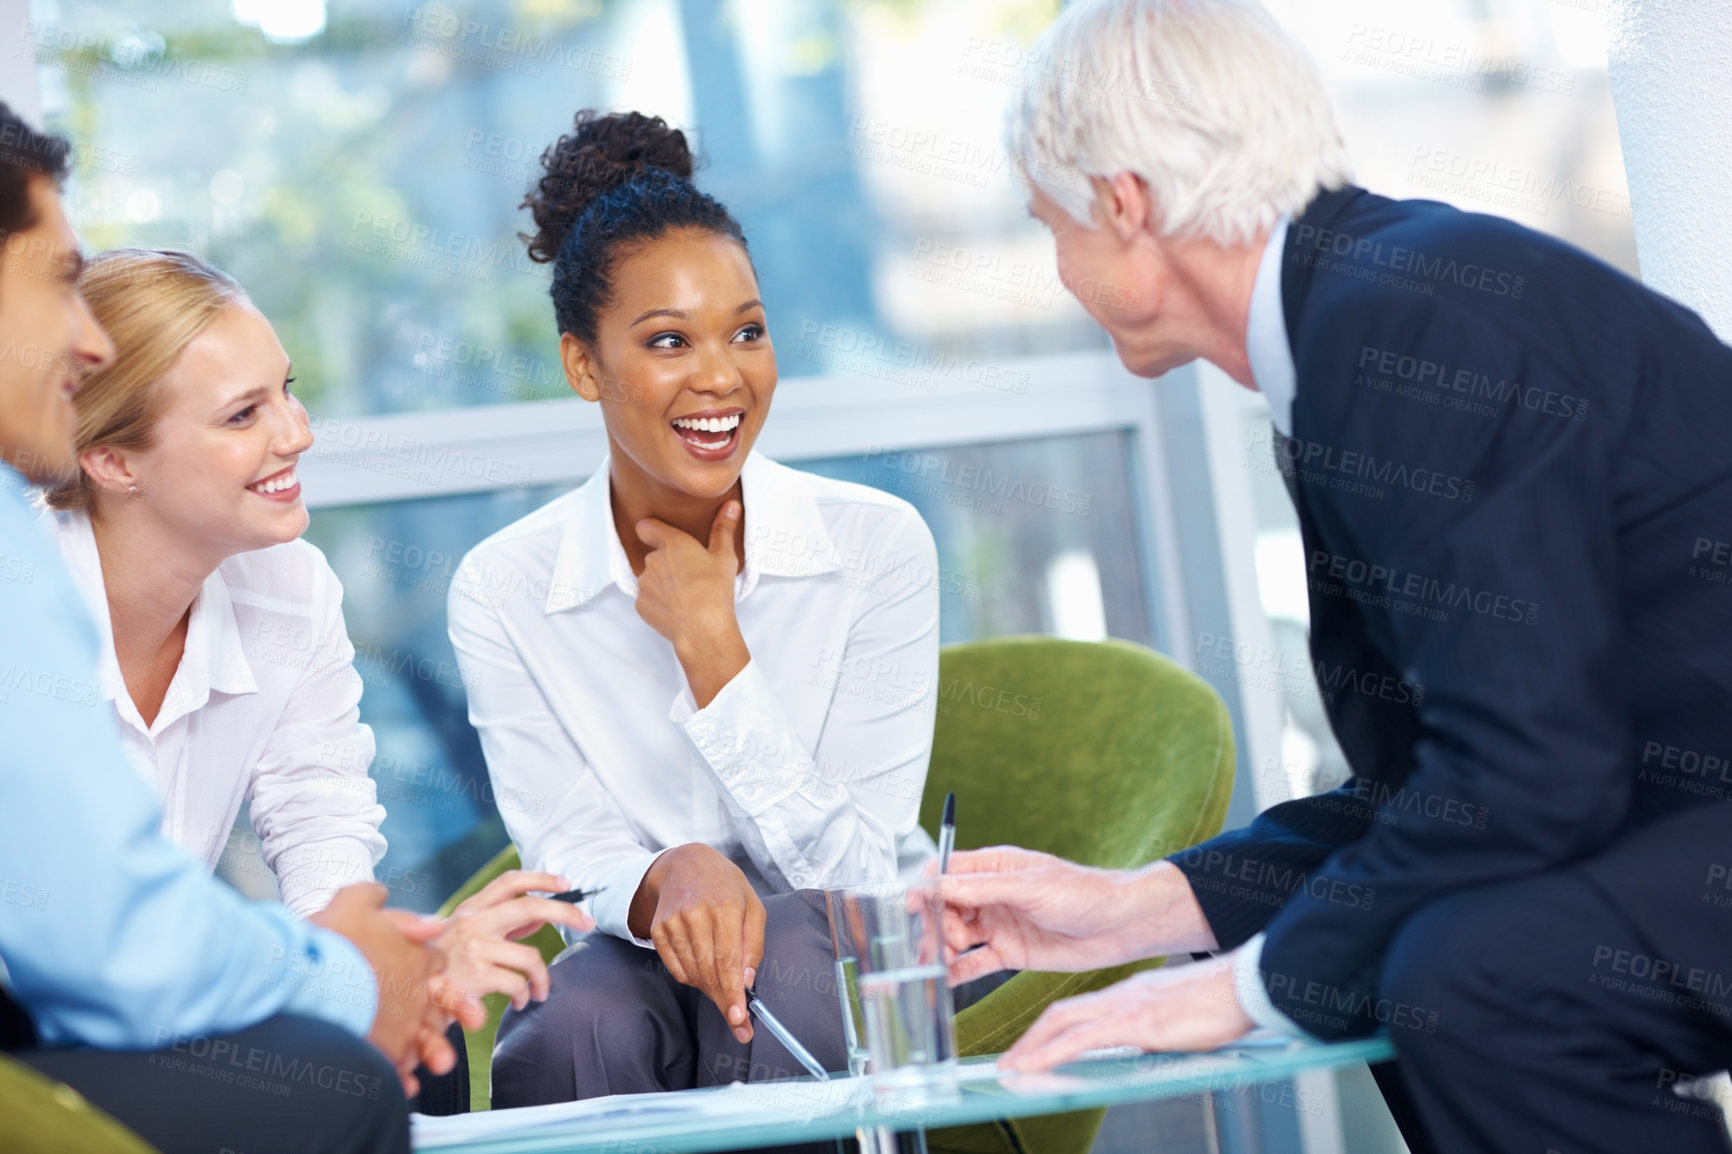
<point>41,1116</point>
<point>1105,753</point>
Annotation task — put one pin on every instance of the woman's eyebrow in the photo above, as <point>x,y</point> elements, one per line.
<point>682,315</point>
<point>249,395</point>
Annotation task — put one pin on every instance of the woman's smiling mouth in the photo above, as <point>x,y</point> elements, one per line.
<point>279,486</point>
<point>710,436</point>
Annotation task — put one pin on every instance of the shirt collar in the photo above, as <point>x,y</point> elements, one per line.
<point>1266,344</point>
<point>785,536</point>
<point>214,658</point>
<point>14,486</point>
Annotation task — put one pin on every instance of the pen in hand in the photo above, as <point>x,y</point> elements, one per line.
<point>947,833</point>
<point>575,895</point>
<point>789,1042</point>
<point>947,843</point>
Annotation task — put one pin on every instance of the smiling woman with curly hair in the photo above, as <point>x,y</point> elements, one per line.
<point>705,682</point>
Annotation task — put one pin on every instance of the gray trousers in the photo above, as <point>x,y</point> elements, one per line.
<point>616,1022</point>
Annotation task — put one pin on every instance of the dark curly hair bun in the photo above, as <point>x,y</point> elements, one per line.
<point>602,151</point>
<point>615,180</point>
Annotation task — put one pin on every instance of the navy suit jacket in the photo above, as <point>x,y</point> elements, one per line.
<point>1512,466</point>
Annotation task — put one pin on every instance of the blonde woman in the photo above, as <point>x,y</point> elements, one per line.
<point>225,653</point>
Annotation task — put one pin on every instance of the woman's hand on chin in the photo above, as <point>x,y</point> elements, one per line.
<point>707,924</point>
<point>686,593</point>
<point>479,939</point>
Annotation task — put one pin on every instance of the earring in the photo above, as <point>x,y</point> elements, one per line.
<point>132,490</point>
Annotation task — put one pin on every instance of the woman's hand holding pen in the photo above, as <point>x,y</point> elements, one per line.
<point>707,925</point>
<point>686,593</point>
<point>480,937</point>
<point>1009,908</point>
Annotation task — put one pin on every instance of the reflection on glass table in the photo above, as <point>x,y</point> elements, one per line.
<point>805,1110</point>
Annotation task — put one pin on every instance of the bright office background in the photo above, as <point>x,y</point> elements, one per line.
<point>358,164</point>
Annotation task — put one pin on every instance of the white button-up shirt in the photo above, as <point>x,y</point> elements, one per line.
<point>1273,371</point>
<point>264,706</point>
<point>1266,345</point>
<point>806,769</point>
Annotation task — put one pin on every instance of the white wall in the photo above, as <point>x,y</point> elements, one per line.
<point>17,71</point>
<point>1671,72</point>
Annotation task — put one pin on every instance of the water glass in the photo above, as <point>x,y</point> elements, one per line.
<point>847,990</point>
<point>888,939</point>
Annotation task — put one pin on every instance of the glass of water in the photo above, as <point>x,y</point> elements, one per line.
<point>889,940</point>
<point>847,989</point>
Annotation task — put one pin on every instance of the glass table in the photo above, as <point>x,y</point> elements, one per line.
<point>807,1110</point>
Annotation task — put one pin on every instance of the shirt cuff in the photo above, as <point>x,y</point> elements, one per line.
<point>334,984</point>
<point>311,877</point>
<point>1253,997</point>
<point>618,879</point>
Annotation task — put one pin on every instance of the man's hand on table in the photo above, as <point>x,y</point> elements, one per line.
<point>1189,1007</point>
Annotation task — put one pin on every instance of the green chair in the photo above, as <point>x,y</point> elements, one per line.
<point>41,1116</point>
<point>1104,753</point>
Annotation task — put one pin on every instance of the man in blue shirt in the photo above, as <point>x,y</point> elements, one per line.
<point>199,1019</point>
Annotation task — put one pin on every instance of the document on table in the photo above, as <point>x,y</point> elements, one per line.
<point>431,1133</point>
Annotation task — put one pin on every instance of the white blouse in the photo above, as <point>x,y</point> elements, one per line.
<point>264,707</point>
<point>806,769</point>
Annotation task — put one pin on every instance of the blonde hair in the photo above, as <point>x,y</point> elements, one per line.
<point>152,303</point>
<point>1221,113</point>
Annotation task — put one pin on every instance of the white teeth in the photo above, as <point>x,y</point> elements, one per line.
<point>709,424</point>
<point>275,484</point>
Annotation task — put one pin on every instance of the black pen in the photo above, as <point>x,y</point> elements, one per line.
<point>575,896</point>
<point>947,833</point>
<point>947,843</point>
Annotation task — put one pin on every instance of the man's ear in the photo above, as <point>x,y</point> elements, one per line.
<point>1123,204</point>
<point>109,469</point>
<point>580,367</point>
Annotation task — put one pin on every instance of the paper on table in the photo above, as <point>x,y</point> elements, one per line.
<point>429,1133</point>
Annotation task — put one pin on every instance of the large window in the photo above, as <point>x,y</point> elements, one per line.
<point>358,165</point>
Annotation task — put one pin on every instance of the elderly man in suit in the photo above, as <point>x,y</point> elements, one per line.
<point>1512,467</point>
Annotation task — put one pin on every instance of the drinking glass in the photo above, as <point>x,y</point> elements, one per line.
<point>847,991</point>
<point>889,940</point>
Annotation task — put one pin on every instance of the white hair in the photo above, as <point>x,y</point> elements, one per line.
<point>1219,112</point>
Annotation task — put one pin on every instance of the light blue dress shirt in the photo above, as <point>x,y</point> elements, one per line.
<point>110,935</point>
<point>1266,347</point>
